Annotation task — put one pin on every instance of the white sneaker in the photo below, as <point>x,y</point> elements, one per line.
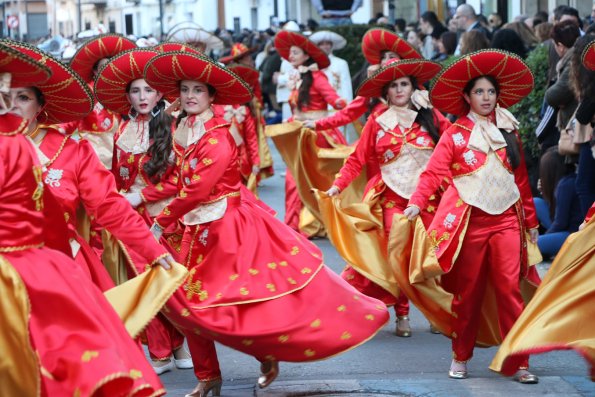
<point>185,362</point>
<point>160,369</point>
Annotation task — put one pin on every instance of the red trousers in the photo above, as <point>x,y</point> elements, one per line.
<point>293,203</point>
<point>491,251</point>
<point>162,338</point>
<point>204,357</point>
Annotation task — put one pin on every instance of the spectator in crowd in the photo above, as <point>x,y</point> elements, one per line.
<point>525,33</point>
<point>446,44</point>
<point>413,38</point>
<point>543,31</point>
<point>451,25</point>
<point>495,22</point>
<point>338,72</point>
<point>269,66</point>
<point>400,25</point>
<point>467,20</point>
<point>560,211</point>
<point>473,40</point>
<point>336,12</point>
<point>428,24</point>
<point>509,40</point>
<point>591,18</point>
<point>539,18</point>
<point>571,14</point>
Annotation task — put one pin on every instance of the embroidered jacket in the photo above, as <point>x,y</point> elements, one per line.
<point>353,111</point>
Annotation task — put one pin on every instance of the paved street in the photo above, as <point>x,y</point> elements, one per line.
<point>387,365</point>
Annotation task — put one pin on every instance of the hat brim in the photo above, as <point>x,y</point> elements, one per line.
<point>378,40</point>
<point>192,35</point>
<point>588,56</point>
<point>97,48</point>
<point>233,58</point>
<point>250,76</point>
<point>165,72</point>
<point>515,80</point>
<point>338,41</point>
<point>284,40</point>
<point>171,46</point>
<point>23,70</point>
<point>67,96</point>
<point>422,70</point>
<point>114,78</point>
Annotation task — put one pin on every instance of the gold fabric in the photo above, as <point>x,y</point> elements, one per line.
<point>102,143</point>
<point>311,166</point>
<point>138,300</point>
<point>560,315</point>
<point>413,259</point>
<point>491,188</point>
<point>266,159</point>
<point>19,368</point>
<point>113,258</point>
<point>356,230</point>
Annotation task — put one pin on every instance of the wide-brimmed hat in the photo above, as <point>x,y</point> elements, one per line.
<point>97,48</point>
<point>515,79</point>
<point>421,69</point>
<point>67,96</point>
<point>165,72</point>
<point>285,39</point>
<point>238,50</point>
<point>23,70</point>
<point>114,78</point>
<point>250,76</point>
<point>588,56</point>
<point>377,40</point>
<point>326,35</point>
<point>170,46</point>
<point>194,35</point>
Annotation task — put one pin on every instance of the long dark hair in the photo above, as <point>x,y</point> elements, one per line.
<point>512,145</point>
<point>160,149</point>
<point>552,168</point>
<point>425,117</point>
<point>304,91</point>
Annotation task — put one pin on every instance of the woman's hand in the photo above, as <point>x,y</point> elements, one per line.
<point>166,262</point>
<point>533,234</point>
<point>310,124</point>
<point>411,212</point>
<point>333,191</point>
<point>134,199</point>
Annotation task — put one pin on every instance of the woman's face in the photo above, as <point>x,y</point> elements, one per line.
<point>387,56</point>
<point>297,56</point>
<point>24,104</point>
<point>482,98</point>
<point>195,97</point>
<point>413,39</point>
<point>142,97</point>
<point>399,92</point>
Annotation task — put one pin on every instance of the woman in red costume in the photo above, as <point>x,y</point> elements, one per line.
<point>143,158</point>
<point>396,144</point>
<point>309,99</point>
<point>65,338</point>
<point>478,231</point>
<point>252,280</point>
<point>72,170</point>
<point>378,46</point>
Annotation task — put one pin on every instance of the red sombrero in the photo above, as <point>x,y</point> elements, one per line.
<point>165,71</point>
<point>285,39</point>
<point>421,69</point>
<point>100,47</point>
<point>377,40</point>
<point>175,46</point>
<point>67,96</point>
<point>513,75</point>
<point>23,70</point>
<point>250,76</point>
<point>238,50</point>
<point>114,78</point>
<point>589,56</point>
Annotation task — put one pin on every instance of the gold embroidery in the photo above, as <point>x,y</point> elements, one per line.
<point>456,166</point>
<point>432,197</point>
<point>272,265</point>
<point>196,331</point>
<point>390,204</point>
<point>192,287</point>
<point>159,187</point>
<point>309,352</point>
<point>306,270</point>
<point>185,312</point>
<point>369,317</point>
<point>414,135</point>
<point>459,203</point>
<point>66,217</point>
<point>315,323</point>
<point>247,342</point>
<point>183,194</point>
<point>283,338</point>
<point>88,355</point>
<point>244,291</point>
<point>166,211</point>
<point>213,141</point>
<point>219,295</point>
<point>199,259</point>
<point>355,297</point>
<point>135,374</point>
<point>186,167</point>
<point>380,307</point>
<point>350,277</point>
<point>283,263</point>
<point>147,268</point>
<point>436,241</point>
<point>253,272</point>
<point>345,335</point>
<point>431,208</point>
<point>271,287</point>
<point>77,393</point>
<point>234,277</point>
<point>291,281</point>
<point>341,308</point>
<point>174,179</point>
<point>38,193</point>
<point>131,159</point>
<point>295,250</point>
<point>207,161</point>
<point>270,357</point>
<point>196,177</point>
<point>394,141</point>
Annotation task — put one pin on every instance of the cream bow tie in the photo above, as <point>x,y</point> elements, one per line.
<point>295,80</point>
<point>396,115</point>
<point>421,99</point>
<point>190,130</point>
<point>230,112</point>
<point>486,135</point>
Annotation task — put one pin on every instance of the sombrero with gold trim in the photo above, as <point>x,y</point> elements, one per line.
<point>514,78</point>
<point>588,56</point>
<point>165,71</point>
<point>285,39</point>
<point>100,47</point>
<point>421,69</point>
<point>67,96</point>
<point>238,50</point>
<point>114,78</point>
<point>23,70</point>
<point>250,76</point>
<point>175,46</point>
<point>377,40</point>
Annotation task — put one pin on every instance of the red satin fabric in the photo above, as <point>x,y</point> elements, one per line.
<point>252,281</point>
<point>490,251</point>
<point>83,346</point>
